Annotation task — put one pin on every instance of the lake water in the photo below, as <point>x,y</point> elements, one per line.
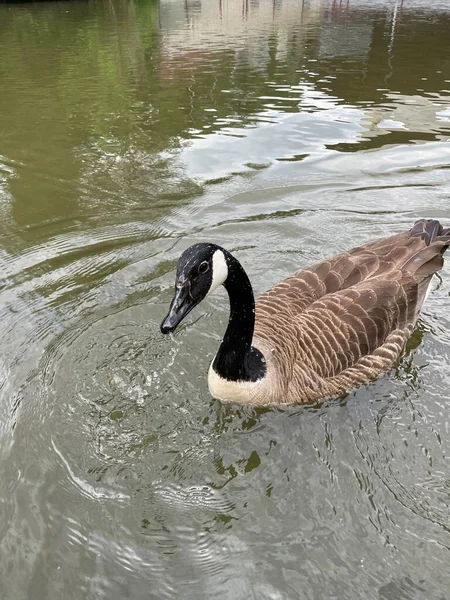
<point>286,131</point>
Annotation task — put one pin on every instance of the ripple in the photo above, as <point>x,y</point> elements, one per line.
<point>408,470</point>
<point>191,497</point>
<point>91,492</point>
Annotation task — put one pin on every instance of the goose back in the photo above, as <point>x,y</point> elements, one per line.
<point>343,321</point>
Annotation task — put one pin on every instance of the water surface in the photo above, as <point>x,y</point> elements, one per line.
<point>285,131</point>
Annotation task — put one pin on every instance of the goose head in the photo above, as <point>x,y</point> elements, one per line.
<point>200,270</point>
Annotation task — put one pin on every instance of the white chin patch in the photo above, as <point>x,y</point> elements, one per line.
<point>219,270</point>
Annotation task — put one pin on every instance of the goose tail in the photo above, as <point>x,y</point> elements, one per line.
<point>430,230</point>
<point>428,259</point>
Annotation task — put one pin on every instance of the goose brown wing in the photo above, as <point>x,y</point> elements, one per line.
<point>339,272</point>
<point>307,322</point>
<point>336,331</point>
<point>375,259</point>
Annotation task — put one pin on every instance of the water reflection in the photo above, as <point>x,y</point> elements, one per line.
<point>159,74</point>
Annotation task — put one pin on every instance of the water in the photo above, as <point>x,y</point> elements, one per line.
<point>285,131</point>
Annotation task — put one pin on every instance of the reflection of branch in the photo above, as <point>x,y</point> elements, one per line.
<point>244,10</point>
<point>391,41</point>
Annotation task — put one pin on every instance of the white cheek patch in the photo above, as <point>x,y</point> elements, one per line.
<point>219,270</point>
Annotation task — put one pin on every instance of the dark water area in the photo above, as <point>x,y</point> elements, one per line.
<point>286,131</point>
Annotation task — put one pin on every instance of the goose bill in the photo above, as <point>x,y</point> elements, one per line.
<point>181,305</point>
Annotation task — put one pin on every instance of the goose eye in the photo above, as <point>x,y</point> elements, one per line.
<point>203,267</point>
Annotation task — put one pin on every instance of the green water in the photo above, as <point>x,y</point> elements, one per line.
<point>285,131</point>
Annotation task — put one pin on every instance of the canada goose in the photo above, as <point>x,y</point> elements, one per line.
<point>320,332</point>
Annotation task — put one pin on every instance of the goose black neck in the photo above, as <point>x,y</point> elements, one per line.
<point>237,359</point>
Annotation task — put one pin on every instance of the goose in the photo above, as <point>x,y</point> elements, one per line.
<point>322,331</point>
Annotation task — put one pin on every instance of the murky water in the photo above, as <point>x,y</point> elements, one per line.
<point>285,131</point>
